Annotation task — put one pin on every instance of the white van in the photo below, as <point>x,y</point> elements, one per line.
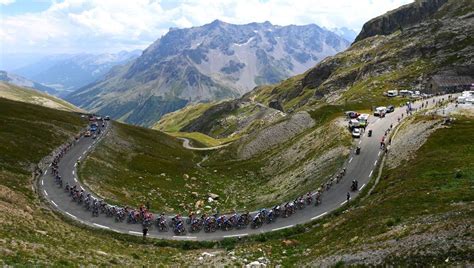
<point>354,123</point>
<point>392,93</point>
<point>380,110</point>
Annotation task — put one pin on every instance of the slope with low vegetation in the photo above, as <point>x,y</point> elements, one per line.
<point>33,96</point>
<point>31,234</point>
<point>134,165</point>
<point>420,213</point>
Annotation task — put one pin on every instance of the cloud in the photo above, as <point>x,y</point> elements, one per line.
<point>97,25</point>
<point>6,2</point>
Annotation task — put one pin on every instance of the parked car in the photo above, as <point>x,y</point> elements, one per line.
<point>107,117</point>
<point>352,114</point>
<point>88,134</point>
<point>380,111</point>
<point>356,133</point>
<point>390,108</point>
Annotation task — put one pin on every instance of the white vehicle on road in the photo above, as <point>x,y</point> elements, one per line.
<point>380,110</point>
<point>356,133</point>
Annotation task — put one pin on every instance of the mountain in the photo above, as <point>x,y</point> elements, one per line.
<point>69,72</point>
<point>23,82</point>
<point>345,33</point>
<point>30,95</point>
<point>433,38</point>
<point>215,61</point>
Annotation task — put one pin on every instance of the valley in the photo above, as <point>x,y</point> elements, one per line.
<point>242,144</point>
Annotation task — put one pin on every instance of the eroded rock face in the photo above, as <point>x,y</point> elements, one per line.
<point>275,134</point>
<point>406,15</point>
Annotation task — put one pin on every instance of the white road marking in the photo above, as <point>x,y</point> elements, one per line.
<point>362,187</point>
<point>79,157</point>
<point>281,228</point>
<point>75,165</point>
<point>49,165</point>
<point>370,175</point>
<point>71,215</point>
<point>133,232</point>
<point>46,172</point>
<point>84,153</point>
<point>236,235</point>
<point>81,187</point>
<point>319,216</point>
<point>45,192</point>
<point>89,147</point>
<point>378,153</point>
<point>184,237</point>
<point>73,172</point>
<point>101,226</point>
<point>54,203</point>
<point>343,202</point>
<point>42,182</point>
<point>350,160</point>
<point>360,141</point>
<point>375,163</point>
<point>75,179</point>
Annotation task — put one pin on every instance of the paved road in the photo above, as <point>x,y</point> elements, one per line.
<point>186,144</point>
<point>360,167</point>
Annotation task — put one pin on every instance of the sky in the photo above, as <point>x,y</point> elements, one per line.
<point>97,26</point>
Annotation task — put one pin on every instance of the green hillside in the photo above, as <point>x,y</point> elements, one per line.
<point>33,96</point>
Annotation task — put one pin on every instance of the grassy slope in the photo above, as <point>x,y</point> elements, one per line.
<point>33,96</point>
<point>422,208</point>
<point>150,165</point>
<point>30,233</point>
<point>174,121</point>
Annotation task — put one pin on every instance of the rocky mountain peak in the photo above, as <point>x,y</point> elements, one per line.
<point>403,16</point>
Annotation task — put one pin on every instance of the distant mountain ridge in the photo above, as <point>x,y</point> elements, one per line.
<point>211,62</point>
<point>69,72</point>
<point>24,82</point>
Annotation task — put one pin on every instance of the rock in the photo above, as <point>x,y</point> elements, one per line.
<point>275,104</point>
<point>210,200</point>
<point>289,242</point>
<point>193,178</point>
<point>207,255</point>
<point>199,204</point>
<point>255,264</point>
<point>163,174</point>
<point>101,253</point>
<point>195,194</point>
<point>186,176</point>
<point>213,196</point>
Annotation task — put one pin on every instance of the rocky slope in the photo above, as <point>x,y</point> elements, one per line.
<point>66,73</point>
<point>438,42</point>
<point>215,61</point>
<point>402,17</point>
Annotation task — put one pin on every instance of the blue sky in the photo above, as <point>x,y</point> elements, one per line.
<point>96,26</point>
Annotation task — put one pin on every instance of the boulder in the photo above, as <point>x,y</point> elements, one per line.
<point>275,104</point>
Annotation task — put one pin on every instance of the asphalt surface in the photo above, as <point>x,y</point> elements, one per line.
<point>358,167</point>
<point>187,145</point>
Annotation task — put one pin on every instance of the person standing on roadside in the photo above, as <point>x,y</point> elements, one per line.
<point>145,230</point>
<point>348,196</point>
